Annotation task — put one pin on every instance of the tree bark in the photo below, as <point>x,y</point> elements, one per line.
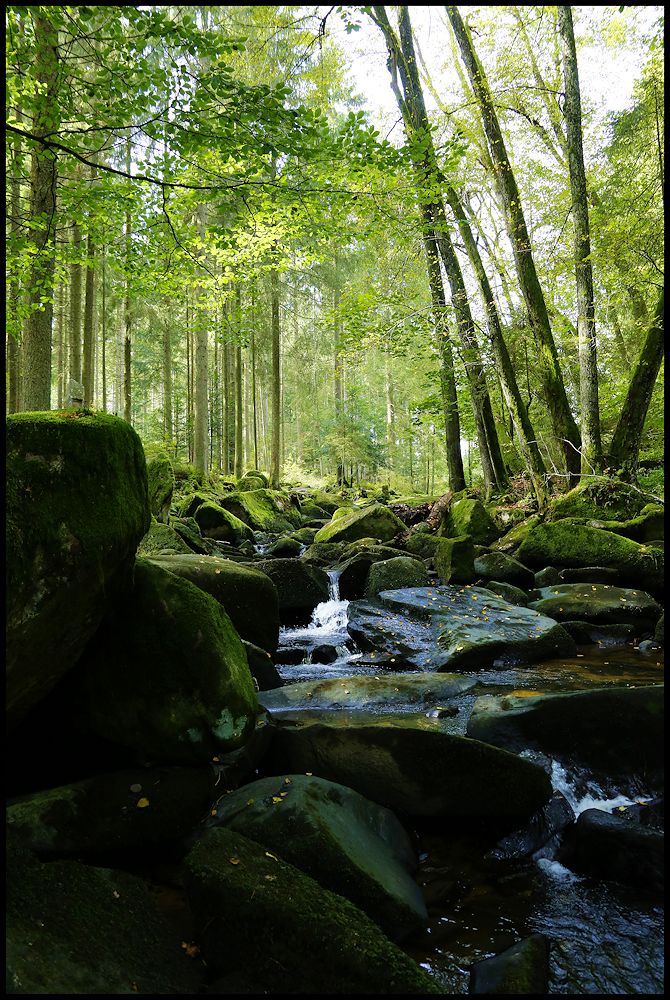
<point>201,400</point>
<point>275,453</point>
<point>625,446</point>
<point>592,458</point>
<point>14,324</point>
<point>337,371</point>
<point>563,424</point>
<point>88,374</point>
<point>43,175</point>
<point>127,314</point>
<point>168,431</point>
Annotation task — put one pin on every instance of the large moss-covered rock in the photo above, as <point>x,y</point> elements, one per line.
<point>192,501</point>
<point>252,481</point>
<point>392,574</point>
<point>616,730</point>
<point>599,604</point>
<point>453,560</point>
<point>74,929</point>
<point>375,521</point>
<point>455,628</point>
<point>77,506</point>
<point>126,809</point>
<point>348,844</point>
<point>167,673</point>
<point>300,587</point>
<point>215,522</point>
<point>162,538</point>
<point>246,594</point>
<point>648,526</point>
<point>269,928</point>
<point>504,568</point>
<point>601,498</point>
<point>417,772</point>
<point>471,518</point>
<point>324,553</point>
<point>263,509</point>
<point>512,539</point>
<point>569,543</point>
<point>160,480</point>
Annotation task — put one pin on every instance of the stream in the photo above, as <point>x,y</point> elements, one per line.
<point>605,937</point>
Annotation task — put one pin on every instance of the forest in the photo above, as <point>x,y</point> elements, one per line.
<point>335,500</point>
<point>211,235</point>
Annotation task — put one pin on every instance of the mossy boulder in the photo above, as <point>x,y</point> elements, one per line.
<point>215,522</point>
<point>512,539</point>
<point>601,498</point>
<point>326,501</point>
<point>75,929</point>
<point>188,530</point>
<point>521,969</point>
<point>354,571</point>
<point>648,526</point>
<point>300,587</point>
<point>263,510</point>
<point>266,927</point>
<point>252,481</point>
<point>262,667</point>
<point>160,481</point>
<point>614,730</point>
<point>503,567</point>
<point>345,842</point>
<point>109,812</point>
<point>393,574</point>
<point>304,535</point>
<point>453,560</point>
<point>190,503</point>
<point>371,547</point>
<point>471,518</point>
<point>166,674</point>
<point>162,538</point>
<point>569,543</point>
<point>324,553</point>
<point>416,772</point>
<point>375,521</point>
<point>246,594</point>
<point>77,507</point>
<point>599,604</point>
<point>285,548</point>
<point>422,544</point>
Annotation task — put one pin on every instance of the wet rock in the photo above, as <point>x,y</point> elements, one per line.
<point>251,908</point>
<point>75,929</point>
<point>391,574</point>
<point>300,587</point>
<point>245,593</point>
<point>285,548</point>
<point>324,553</point>
<point>513,595</point>
<point>353,573</point>
<point>126,809</point>
<point>290,655</point>
<point>600,604</point>
<point>545,824</point>
<point>304,535</point>
<point>523,968</point>
<point>646,812</point>
<point>389,690</point>
<point>500,566</point>
<point>613,730</point>
<point>346,843</point>
<point>451,627</point>
<point>417,772</point>
<point>609,847</point>
<point>547,577</point>
<point>262,667</point>
<point>659,635</point>
<point>76,509</point>
<point>588,574</point>
<point>324,653</point>
<point>375,521</point>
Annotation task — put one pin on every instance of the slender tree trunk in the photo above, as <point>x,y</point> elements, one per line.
<point>337,371</point>
<point>239,428</point>
<point>625,446</point>
<point>563,423</point>
<point>60,347</point>
<point>390,414</point>
<point>36,355</point>
<point>275,453</point>
<point>75,306</point>
<point>201,401</point>
<point>88,368</point>
<point>168,430</point>
<point>592,458</point>
<point>253,395</point>
<point>13,333</point>
<point>103,331</point>
<point>127,314</point>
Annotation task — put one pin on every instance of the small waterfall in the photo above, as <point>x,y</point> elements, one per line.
<point>334,584</point>
<point>583,791</point>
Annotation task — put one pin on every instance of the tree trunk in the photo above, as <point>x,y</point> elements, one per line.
<point>43,175</point>
<point>75,306</point>
<point>592,458</point>
<point>275,470</point>
<point>168,431</point>
<point>201,400</point>
<point>103,332</point>
<point>127,314</point>
<point>625,446</point>
<point>88,344</point>
<point>239,425</point>
<point>13,333</point>
<point>563,423</point>
<point>337,372</point>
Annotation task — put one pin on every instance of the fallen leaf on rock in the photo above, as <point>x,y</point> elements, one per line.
<point>142,803</point>
<point>234,861</point>
<point>191,950</point>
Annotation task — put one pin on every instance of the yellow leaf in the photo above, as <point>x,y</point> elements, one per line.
<point>271,878</point>
<point>276,798</point>
<point>250,802</point>
<point>287,781</point>
<point>213,812</point>
<point>234,861</point>
<point>268,855</point>
<point>142,803</point>
<point>191,950</point>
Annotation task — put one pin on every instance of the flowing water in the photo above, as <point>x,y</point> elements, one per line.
<point>605,938</point>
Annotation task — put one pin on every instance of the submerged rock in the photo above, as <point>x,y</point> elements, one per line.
<point>609,847</point>
<point>346,843</point>
<point>455,628</point>
<point>523,968</point>
<point>417,772</point>
<point>77,507</point>
<point>267,926</point>
<point>388,691</point>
